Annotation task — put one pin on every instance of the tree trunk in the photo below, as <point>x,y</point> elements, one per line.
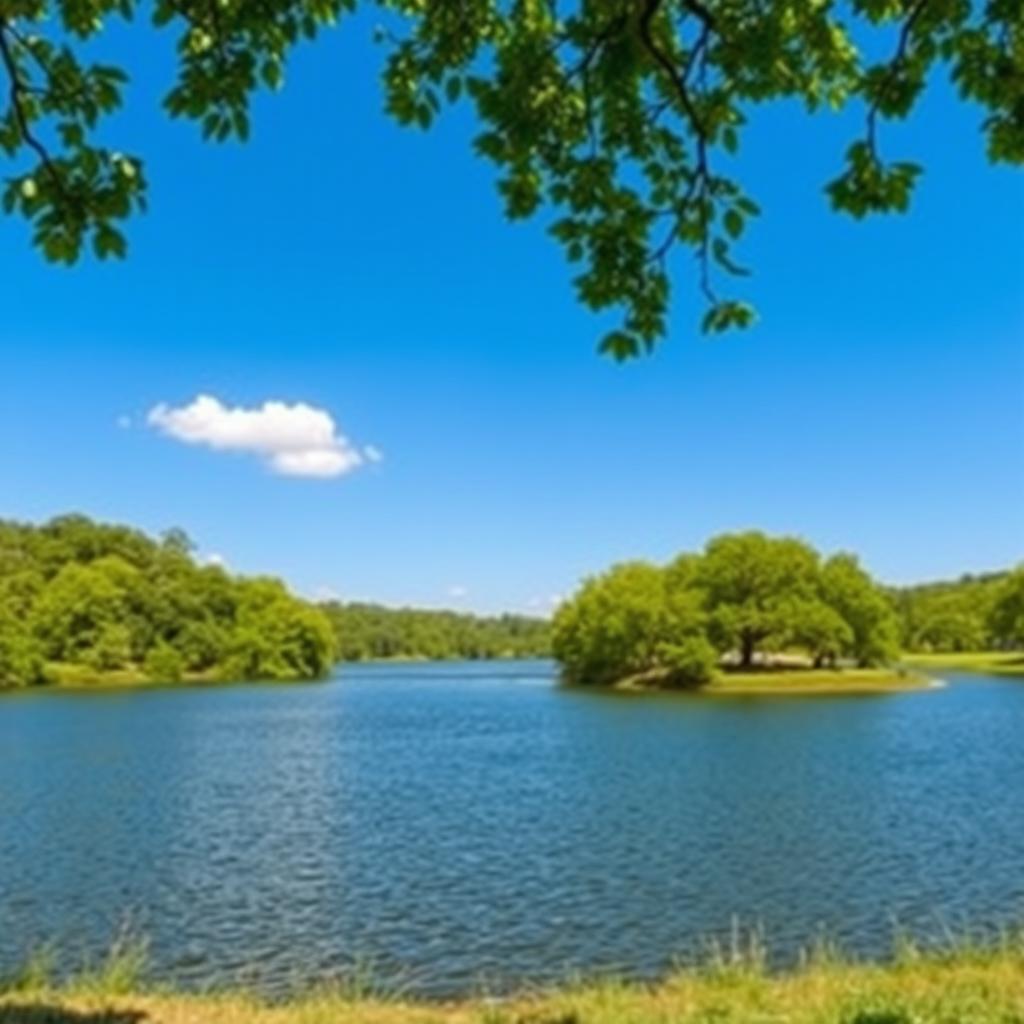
<point>746,651</point>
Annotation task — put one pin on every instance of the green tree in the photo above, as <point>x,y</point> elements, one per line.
<point>74,609</point>
<point>619,624</point>
<point>948,624</point>
<point>818,629</point>
<point>21,658</point>
<point>164,664</point>
<point>201,644</point>
<point>620,118</point>
<point>873,627</point>
<point>690,662</point>
<point>754,586</point>
<point>103,598</point>
<point>950,615</point>
<point>278,637</point>
<point>1007,616</point>
<point>110,649</point>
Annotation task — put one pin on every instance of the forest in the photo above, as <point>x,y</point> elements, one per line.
<point>749,601</point>
<point>372,631</point>
<point>972,613</point>
<point>83,602</point>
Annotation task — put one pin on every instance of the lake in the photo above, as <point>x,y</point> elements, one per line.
<point>461,827</point>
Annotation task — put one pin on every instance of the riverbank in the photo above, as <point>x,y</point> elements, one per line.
<point>791,682</point>
<point>983,986</point>
<point>1000,663</point>
<point>62,677</point>
<point>65,676</point>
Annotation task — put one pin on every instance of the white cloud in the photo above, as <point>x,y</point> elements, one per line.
<point>124,422</point>
<point>544,605</point>
<point>215,558</point>
<point>373,454</point>
<point>293,440</point>
<point>458,591</point>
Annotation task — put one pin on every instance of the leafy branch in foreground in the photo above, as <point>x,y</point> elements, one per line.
<point>617,115</point>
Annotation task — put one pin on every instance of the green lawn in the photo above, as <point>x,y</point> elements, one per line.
<point>790,681</point>
<point>988,662</point>
<point>961,986</point>
<point>804,681</point>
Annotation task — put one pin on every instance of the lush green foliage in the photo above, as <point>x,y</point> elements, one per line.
<point>367,631</point>
<point>80,599</point>
<point>747,595</point>
<point>621,118</point>
<point>633,618</point>
<point>973,613</point>
<point>1006,618</point>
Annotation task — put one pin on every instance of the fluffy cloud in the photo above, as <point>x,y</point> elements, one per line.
<point>294,440</point>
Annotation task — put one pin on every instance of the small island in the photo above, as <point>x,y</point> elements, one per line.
<point>755,614</point>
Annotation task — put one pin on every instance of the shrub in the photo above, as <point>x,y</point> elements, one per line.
<point>164,664</point>
<point>690,663</point>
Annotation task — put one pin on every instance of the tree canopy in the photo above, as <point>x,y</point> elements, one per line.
<point>746,597</point>
<point>1006,616</point>
<point>370,631</point>
<point>81,600</point>
<point>618,117</point>
<point>973,613</point>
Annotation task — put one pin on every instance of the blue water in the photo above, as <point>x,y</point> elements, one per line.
<point>457,826</point>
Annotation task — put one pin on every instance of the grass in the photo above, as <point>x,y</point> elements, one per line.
<point>68,676</point>
<point>80,677</point>
<point>804,681</point>
<point>1001,663</point>
<point>963,984</point>
<point>791,681</point>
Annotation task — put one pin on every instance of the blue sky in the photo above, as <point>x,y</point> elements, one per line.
<point>366,270</point>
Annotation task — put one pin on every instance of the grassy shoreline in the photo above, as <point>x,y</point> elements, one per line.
<point>788,682</point>
<point>979,985</point>
<point>1000,663</point>
<point>851,680</point>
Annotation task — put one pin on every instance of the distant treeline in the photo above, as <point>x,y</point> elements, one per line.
<point>973,613</point>
<point>82,601</point>
<point>368,631</point>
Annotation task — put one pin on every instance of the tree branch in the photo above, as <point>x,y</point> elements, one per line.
<point>651,8</point>
<point>698,187</point>
<point>18,90</point>
<point>894,68</point>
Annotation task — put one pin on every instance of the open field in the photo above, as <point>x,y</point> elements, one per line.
<point>964,985</point>
<point>1002,663</point>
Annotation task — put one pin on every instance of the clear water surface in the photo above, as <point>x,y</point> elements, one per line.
<point>459,826</point>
